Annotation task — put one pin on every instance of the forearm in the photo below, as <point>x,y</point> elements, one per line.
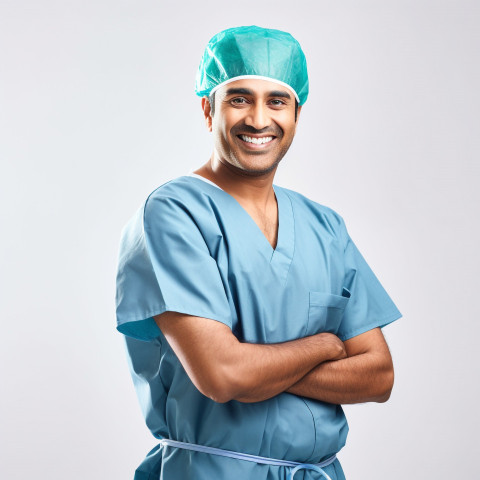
<point>263,371</point>
<point>367,377</point>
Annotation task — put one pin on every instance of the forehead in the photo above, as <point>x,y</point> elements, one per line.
<point>257,87</point>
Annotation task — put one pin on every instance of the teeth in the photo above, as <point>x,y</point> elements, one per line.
<point>256,141</point>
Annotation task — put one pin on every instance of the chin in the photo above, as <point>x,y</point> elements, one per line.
<point>256,166</point>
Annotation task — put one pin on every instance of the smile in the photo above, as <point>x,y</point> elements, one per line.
<point>256,140</point>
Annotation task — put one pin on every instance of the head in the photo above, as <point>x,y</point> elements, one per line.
<point>253,82</point>
<point>253,123</point>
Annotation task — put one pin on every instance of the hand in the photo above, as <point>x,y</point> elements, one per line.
<point>334,347</point>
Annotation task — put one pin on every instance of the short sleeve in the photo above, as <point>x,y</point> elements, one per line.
<point>165,265</point>
<point>369,305</point>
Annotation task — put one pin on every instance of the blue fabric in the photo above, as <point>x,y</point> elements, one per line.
<point>295,466</point>
<point>192,248</point>
<point>248,51</point>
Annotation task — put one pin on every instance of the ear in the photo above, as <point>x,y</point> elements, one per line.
<point>298,117</point>
<point>298,112</point>
<point>207,113</point>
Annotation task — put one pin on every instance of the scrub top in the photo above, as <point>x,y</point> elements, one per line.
<point>192,248</point>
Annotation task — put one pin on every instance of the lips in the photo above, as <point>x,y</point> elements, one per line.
<point>256,142</point>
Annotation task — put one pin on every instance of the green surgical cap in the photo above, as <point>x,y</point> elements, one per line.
<point>253,52</point>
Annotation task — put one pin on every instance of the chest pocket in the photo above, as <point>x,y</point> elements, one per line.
<point>325,311</point>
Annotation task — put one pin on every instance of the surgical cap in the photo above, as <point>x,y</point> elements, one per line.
<point>253,52</point>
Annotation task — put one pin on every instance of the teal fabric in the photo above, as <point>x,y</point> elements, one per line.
<point>253,51</point>
<point>192,248</point>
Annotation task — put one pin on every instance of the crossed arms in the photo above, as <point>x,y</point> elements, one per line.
<point>320,366</point>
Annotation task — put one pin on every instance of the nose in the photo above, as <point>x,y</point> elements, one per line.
<point>258,117</point>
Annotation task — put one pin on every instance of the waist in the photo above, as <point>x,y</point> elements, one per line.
<point>295,466</point>
<point>319,429</point>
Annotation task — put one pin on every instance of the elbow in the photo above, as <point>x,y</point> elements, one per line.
<point>383,398</point>
<point>218,392</point>
<point>223,380</point>
<point>387,386</point>
<point>219,386</point>
<point>219,397</point>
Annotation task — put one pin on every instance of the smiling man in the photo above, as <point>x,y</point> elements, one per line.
<point>256,117</point>
<point>249,314</point>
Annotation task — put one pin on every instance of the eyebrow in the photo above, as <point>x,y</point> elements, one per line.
<point>278,93</point>
<point>238,91</point>
<point>247,91</point>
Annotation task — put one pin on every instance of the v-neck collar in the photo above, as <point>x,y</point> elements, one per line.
<point>281,257</point>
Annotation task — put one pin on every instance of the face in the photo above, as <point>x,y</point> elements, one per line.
<point>253,125</point>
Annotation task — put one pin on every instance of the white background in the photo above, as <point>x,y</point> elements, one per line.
<point>97,109</point>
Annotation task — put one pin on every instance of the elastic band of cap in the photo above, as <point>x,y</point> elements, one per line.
<point>258,77</point>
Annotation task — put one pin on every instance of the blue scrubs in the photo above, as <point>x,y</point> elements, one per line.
<point>192,248</point>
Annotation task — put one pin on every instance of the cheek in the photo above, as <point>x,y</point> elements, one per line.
<point>285,120</point>
<point>224,131</point>
<point>291,127</point>
<point>221,137</point>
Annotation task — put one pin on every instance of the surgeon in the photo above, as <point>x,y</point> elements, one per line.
<point>249,314</point>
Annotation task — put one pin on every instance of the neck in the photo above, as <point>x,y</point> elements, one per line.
<point>246,187</point>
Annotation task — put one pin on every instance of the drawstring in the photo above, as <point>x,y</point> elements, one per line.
<point>308,466</point>
<point>296,466</point>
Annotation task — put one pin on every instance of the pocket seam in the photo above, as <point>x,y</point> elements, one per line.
<point>327,299</point>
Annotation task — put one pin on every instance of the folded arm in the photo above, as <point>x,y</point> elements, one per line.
<point>366,375</point>
<point>224,369</point>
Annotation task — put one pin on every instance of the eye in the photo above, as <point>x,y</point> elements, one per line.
<point>277,103</point>
<point>238,100</point>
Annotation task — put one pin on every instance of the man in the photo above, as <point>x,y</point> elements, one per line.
<point>249,314</point>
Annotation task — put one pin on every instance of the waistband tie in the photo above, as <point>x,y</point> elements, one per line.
<point>296,466</point>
